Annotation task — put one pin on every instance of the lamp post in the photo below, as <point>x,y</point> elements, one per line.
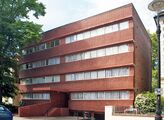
<point>158,6</point>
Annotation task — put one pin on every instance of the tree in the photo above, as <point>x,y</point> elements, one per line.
<point>153,38</point>
<point>16,31</point>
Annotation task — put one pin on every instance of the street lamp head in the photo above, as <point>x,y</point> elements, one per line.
<point>156,5</point>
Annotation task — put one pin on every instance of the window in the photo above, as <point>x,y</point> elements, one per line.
<point>87,35</point>
<point>115,95</point>
<point>73,77</point>
<point>93,33</point>
<point>124,95</point>
<point>109,51</point>
<point>115,27</point>
<point>115,72</point>
<point>42,47</point>
<point>93,96</point>
<point>108,73</point>
<point>87,75</point>
<point>56,78</point>
<point>97,31</point>
<point>108,29</point>
<point>48,79</point>
<point>94,54</point>
<point>87,55</point>
<point>100,31</point>
<point>82,56</point>
<point>78,57</point>
<point>123,71</point>
<point>68,77</point>
<point>56,42</point>
<point>81,76</point>
<point>86,96</point>
<point>29,65</point>
<point>80,96</point>
<point>107,95</point>
<point>100,95</point>
<point>100,52</point>
<point>101,74</point>
<point>124,25</point>
<point>115,50</point>
<point>123,48</point>
<point>77,76</point>
<point>73,57</point>
<point>41,96</point>
<point>54,61</point>
<point>73,38</point>
<point>94,75</point>
<point>80,36</point>
<point>68,40</point>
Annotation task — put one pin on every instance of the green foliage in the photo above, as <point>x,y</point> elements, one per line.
<point>162,103</point>
<point>153,38</point>
<point>15,33</point>
<point>145,102</point>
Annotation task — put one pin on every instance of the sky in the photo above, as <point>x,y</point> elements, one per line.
<point>61,12</point>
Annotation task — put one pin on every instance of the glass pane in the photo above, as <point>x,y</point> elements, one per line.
<point>109,51</point>
<point>87,75</point>
<point>115,27</point>
<point>87,55</point>
<point>56,42</point>
<point>115,72</point>
<point>108,73</point>
<point>115,50</point>
<point>87,35</point>
<point>101,74</point>
<point>108,29</point>
<point>101,95</point>
<point>100,52</point>
<point>94,54</point>
<point>81,76</point>
<point>73,38</point>
<point>80,36</point>
<point>124,95</point>
<point>78,56</point>
<point>48,79</point>
<point>100,31</point>
<point>68,77</point>
<point>67,40</point>
<point>123,48</point>
<point>93,33</point>
<point>57,78</point>
<point>94,75</point>
<point>124,25</point>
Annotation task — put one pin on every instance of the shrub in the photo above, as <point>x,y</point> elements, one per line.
<point>145,102</point>
<point>162,103</point>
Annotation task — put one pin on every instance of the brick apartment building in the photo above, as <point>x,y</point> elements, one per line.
<point>87,65</point>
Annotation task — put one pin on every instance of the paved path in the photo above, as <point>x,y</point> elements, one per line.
<point>45,118</point>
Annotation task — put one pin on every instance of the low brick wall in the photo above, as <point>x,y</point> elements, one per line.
<point>34,110</point>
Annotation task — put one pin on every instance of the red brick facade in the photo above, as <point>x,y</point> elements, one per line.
<point>138,60</point>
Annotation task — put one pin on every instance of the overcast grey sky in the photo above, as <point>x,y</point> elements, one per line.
<point>60,12</point>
